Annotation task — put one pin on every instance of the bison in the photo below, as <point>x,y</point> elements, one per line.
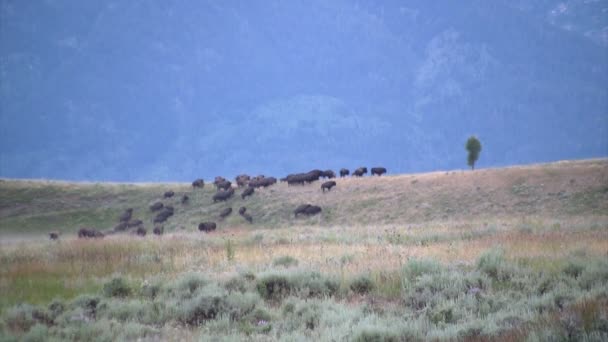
<point>223,195</point>
<point>168,194</point>
<point>242,180</point>
<point>164,214</point>
<point>89,233</point>
<point>134,223</point>
<point>247,217</point>
<point>360,172</point>
<point>207,226</point>
<point>53,235</point>
<point>224,213</point>
<point>242,210</point>
<point>141,231</point>
<point>126,216</point>
<point>219,179</point>
<point>185,199</point>
<point>378,171</point>
<point>198,183</point>
<point>156,206</point>
<point>328,185</point>
<point>121,227</point>
<point>307,209</point>
<point>259,182</point>
<point>158,230</point>
<point>247,192</point>
<point>328,174</point>
<point>344,172</point>
<point>224,185</point>
<point>301,178</point>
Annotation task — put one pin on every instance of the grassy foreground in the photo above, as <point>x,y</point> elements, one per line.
<point>509,254</point>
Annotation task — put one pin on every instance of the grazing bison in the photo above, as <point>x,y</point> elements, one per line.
<point>259,182</point>
<point>141,231</point>
<point>328,174</point>
<point>156,206</point>
<point>328,185</point>
<point>134,223</point>
<point>185,199</point>
<point>242,180</point>
<point>121,227</point>
<point>164,214</point>
<point>224,213</point>
<point>53,235</point>
<point>158,230</point>
<point>242,210</point>
<point>247,192</point>
<point>360,172</point>
<point>378,171</point>
<point>302,178</point>
<point>126,216</point>
<point>223,195</point>
<point>207,226</point>
<point>89,233</point>
<point>307,209</point>
<point>344,172</point>
<point>199,183</point>
<point>168,194</point>
<point>247,217</point>
<point>225,185</point>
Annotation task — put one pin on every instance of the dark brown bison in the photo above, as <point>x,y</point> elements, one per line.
<point>218,179</point>
<point>360,172</point>
<point>262,182</point>
<point>242,180</point>
<point>85,233</point>
<point>328,185</point>
<point>156,206</point>
<point>121,227</point>
<point>53,235</point>
<point>158,230</point>
<point>378,171</point>
<point>328,174</point>
<point>126,216</point>
<point>224,213</point>
<point>134,223</point>
<point>164,214</point>
<point>141,231</point>
<point>168,194</point>
<point>207,226</point>
<point>344,172</point>
<point>223,195</point>
<point>199,183</point>
<point>185,199</point>
<point>225,185</point>
<point>242,210</point>
<point>302,178</point>
<point>307,209</point>
<point>247,192</point>
<point>247,217</point>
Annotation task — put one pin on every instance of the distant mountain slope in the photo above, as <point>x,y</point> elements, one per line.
<point>564,189</point>
<point>144,90</point>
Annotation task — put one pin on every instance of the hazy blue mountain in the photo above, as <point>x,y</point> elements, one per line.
<point>173,90</point>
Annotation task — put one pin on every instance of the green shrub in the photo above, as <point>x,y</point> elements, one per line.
<point>493,264</point>
<point>376,334</point>
<point>236,284</point>
<point>150,289</point>
<point>362,285</point>
<point>38,333</point>
<point>285,261</point>
<point>574,268</point>
<point>56,308</point>
<point>117,287</point>
<point>187,286</point>
<point>19,318</point>
<point>273,286</point>
<point>595,274</point>
<point>417,267</point>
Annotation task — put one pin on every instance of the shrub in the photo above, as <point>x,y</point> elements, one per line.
<point>362,285</point>
<point>285,261</point>
<point>117,287</point>
<point>151,289</point>
<point>376,334</point>
<point>273,286</point>
<point>574,268</point>
<point>187,286</point>
<point>56,308</point>
<point>493,264</point>
<point>417,267</point>
<point>38,333</point>
<point>19,318</point>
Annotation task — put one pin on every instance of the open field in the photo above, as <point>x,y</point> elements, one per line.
<point>511,254</point>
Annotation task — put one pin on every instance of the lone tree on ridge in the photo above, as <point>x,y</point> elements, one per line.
<point>474,147</point>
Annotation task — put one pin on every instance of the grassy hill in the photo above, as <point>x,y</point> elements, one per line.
<point>555,190</point>
<point>506,254</point>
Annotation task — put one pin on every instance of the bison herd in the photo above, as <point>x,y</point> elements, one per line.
<point>225,191</point>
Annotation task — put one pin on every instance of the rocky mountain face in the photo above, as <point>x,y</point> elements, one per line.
<point>175,90</point>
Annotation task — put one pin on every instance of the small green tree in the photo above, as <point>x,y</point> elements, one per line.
<point>474,147</point>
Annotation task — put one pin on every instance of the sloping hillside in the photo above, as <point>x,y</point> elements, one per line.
<point>568,188</point>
